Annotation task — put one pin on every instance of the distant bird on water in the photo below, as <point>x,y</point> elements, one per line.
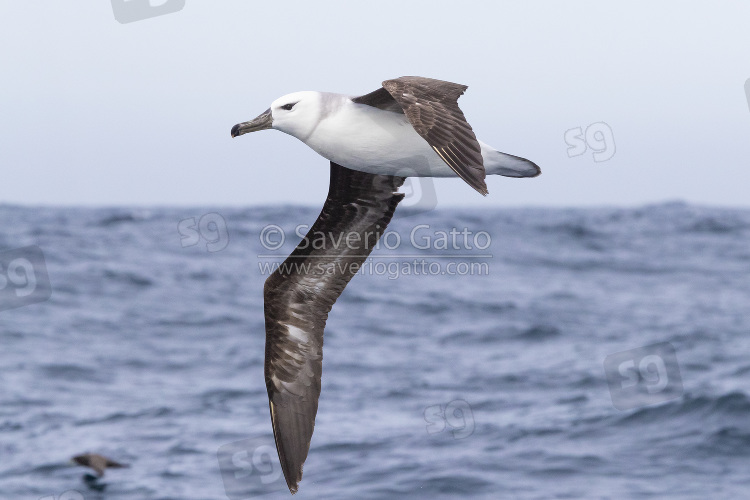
<point>412,126</point>
<point>97,462</point>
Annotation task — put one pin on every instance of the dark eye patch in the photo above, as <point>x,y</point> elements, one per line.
<point>289,106</point>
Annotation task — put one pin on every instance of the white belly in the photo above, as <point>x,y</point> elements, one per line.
<point>371,140</point>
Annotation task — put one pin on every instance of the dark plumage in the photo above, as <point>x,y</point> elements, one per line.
<point>348,130</point>
<point>297,301</point>
<point>431,106</point>
<point>97,462</point>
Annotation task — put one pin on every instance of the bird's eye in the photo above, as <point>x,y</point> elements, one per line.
<point>289,106</point>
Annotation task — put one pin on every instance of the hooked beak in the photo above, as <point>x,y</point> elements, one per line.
<point>262,122</point>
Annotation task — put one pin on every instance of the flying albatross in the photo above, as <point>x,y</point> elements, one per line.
<point>411,126</point>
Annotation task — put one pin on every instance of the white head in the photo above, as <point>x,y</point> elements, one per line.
<point>296,114</point>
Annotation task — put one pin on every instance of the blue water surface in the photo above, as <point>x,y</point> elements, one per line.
<point>488,382</point>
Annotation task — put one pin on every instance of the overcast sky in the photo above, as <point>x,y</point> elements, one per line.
<point>96,112</point>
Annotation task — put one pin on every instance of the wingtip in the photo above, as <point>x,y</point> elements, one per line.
<point>537,170</point>
<point>292,478</point>
<point>292,488</point>
<point>482,188</point>
<point>292,469</point>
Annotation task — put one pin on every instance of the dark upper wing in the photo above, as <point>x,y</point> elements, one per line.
<point>432,109</point>
<point>299,295</point>
<point>98,463</point>
<point>116,465</point>
<point>381,99</point>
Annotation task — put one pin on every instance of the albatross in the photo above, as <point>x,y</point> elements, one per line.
<point>411,126</point>
<point>97,462</point>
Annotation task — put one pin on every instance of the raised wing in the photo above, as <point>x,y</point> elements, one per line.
<point>300,294</point>
<point>380,99</point>
<point>431,106</point>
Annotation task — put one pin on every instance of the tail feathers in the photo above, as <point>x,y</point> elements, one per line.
<point>498,163</point>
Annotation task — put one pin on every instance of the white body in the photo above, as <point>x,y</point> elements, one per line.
<point>373,140</point>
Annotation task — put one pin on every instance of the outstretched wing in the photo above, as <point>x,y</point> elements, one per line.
<point>432,109</point>
<point>299,295</point>
<point>98,463</point>
<point>116,465</point>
